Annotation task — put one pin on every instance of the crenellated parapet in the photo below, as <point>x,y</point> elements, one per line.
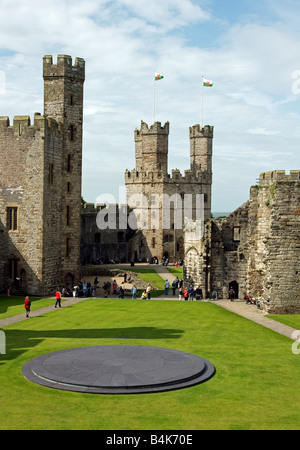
<point>156,128</point>
<point>267,178</point>
<point>197,131</point>
<point>64,67</point>
<point>91,208</point>
<point>22,125</point>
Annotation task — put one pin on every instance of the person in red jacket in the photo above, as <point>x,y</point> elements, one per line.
<point>27,304</point>
<point>58,299</point>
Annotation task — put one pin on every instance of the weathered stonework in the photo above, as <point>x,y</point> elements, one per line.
<point>157,234</point>
<point>256,249</point>
<point>103,244</point>
<point>40,169</point>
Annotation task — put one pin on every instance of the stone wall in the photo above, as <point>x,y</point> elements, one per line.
<point>256,249</point>
<point>111,241</point>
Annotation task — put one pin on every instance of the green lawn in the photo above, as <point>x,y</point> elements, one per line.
<point>12,306</point>
<point>256,385</point>
<point>292,320</point>
<point>176,271</point>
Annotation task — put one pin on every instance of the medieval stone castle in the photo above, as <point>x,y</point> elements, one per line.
<point>47,236</point>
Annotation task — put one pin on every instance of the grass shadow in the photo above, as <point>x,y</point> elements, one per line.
<point>19,341</point>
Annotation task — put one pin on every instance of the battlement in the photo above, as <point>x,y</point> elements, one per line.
<point>135,176</point>
<point>196,131</point>
<point>156,128</point>
<point>267,178</point>
<point>23,123</point>
<point>64,67</point>
<point>91,208</point>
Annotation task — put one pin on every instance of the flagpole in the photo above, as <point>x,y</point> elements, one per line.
<point>201,124</point>
<point>154,99</point>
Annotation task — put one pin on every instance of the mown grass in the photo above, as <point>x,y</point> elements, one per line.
<point>292,320</point>
<point>13,306</point>
<point>256,384</point>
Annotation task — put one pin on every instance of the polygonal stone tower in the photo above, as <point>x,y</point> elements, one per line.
<point>63,102</point>
<point>160,199</point>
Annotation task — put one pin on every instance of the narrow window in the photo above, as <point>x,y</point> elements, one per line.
<point>69,163</point>
<point>12,218</point>
<point>13,268</point>
<point>153,242</point>
<point>72,133</point>
<point>51,172</point>
<point>68,215</point>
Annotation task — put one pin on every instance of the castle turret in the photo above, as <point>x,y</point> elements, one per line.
<point>151,147</point>
<point>201,148</point>
<point>63,102</point>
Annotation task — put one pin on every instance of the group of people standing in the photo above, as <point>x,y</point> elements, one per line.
<point>186,293</point>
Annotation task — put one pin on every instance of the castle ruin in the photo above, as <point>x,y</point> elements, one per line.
<point>44,231</point>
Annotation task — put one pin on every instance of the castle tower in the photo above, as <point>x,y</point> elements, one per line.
<point>151,147</point>
<point>168,198</point>
<point>63,102</point>
<point>201,140</point>
<point>201,145</point>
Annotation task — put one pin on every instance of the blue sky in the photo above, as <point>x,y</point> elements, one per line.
<point>250,49</point>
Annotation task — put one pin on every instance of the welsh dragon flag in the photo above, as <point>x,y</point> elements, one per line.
<point>207,83</point>
<point>159,76</point>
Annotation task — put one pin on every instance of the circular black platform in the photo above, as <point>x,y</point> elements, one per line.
<point>118,369</point>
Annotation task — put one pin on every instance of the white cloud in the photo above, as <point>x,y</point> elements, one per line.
<point>252,105</point>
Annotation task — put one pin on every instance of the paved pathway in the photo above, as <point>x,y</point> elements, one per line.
<point>39,312</point>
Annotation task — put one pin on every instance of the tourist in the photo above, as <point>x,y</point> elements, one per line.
<point>174,287</point>
<point>186,294</point>
<point>115,286</point>
<point>96,282</point>
<point>27,304</point>
<point>121,295</point>
<point>180,294</point>
<point>134,291</point>
<point>105,289</point>
<point>191,293</point>
<point>167,285</point>
<point>148,290</point>
<point>144,295</point>
<point>58,298</point>
<point>198,293</point>
<point>84,288</point>
<point>231,294</point>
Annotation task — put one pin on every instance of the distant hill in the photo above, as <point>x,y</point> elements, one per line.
<point>220,214</point>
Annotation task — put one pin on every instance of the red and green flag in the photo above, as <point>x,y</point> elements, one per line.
<point>158,76</point>
<point>207,83</point>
